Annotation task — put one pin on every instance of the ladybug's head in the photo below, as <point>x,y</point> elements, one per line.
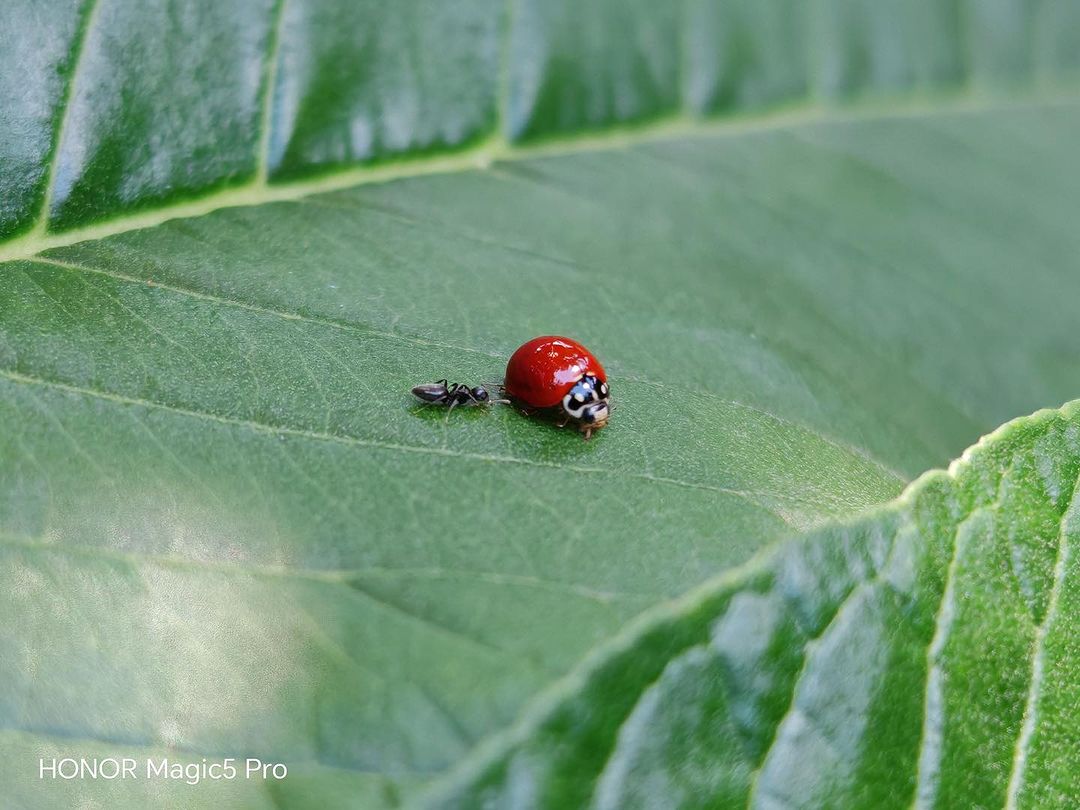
<point>587,402</point>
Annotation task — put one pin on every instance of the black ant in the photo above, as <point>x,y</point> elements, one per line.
<point>453,394</point>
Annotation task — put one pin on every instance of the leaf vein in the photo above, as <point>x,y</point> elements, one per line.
<point>371,332</point>
<point>330,576</point>
<point>415,617</point>
<point>1027,727</point>
<point>270,69</point>
<point>756,497</point>
<point>943,619</point>
<point>261,310</point>
<point>91,13</point>
<point>792,709</point>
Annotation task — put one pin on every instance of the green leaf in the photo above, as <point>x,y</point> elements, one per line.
<point>924,654</point>
<point>229,532</point>
<point>225,527</point>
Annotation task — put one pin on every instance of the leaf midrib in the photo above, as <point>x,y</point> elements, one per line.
<point>843,447</point>
<point>497,149</point>
<point>751,496</point>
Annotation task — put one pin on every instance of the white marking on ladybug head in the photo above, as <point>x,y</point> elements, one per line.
<point>596,415</point>
<point>574,405</point>
<point>586,401</point>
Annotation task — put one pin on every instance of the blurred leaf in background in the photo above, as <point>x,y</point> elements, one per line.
<point>819,249</point>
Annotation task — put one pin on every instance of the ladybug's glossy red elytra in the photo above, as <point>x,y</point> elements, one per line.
<point>559,373</point>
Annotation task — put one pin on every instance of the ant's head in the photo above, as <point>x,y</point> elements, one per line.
<point>480,394</point>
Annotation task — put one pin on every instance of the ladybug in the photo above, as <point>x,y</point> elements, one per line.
<point>560,374</point>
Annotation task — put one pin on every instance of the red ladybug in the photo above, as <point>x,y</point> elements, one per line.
<point>554,372</point>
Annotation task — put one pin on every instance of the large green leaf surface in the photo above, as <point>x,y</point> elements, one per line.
<point>925,655</point>
<point>226,529</point>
